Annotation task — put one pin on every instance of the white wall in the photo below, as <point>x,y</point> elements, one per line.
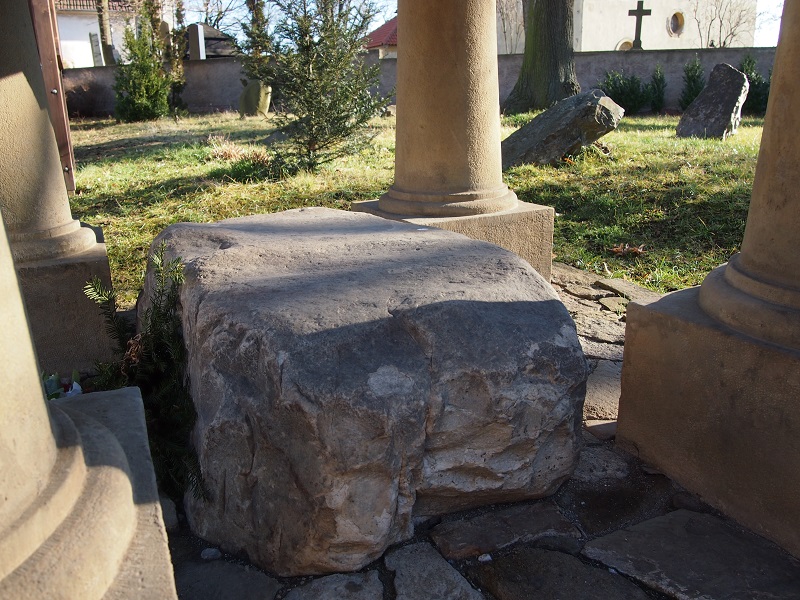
<point>604,25</point>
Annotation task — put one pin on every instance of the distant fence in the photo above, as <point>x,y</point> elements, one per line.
<point>214,85</point>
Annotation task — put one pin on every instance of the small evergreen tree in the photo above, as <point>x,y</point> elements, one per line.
<point>257,48</point>
<point>627,91</point>
<point>657,89</point>
<point>758,95</point>
<point>141,86</point>
<point>693,82</point>
<point>324,87</point>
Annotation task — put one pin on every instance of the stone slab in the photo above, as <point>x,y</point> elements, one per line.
<point>536,574</point>
<point>121,412</point>
<point>725,428</point>
<point>564,274</point>
<point>600,327</point>
<point>421,572</point>
<point>358,586</point>
<point>602,350</point>
<point>67,328</point>
<point>526,230</point>
<point>601,500</point>
<point>601,429</point>
<point>717,110</point>
<point>602,391</point>
<point>688,555</point>
<point>500,528</point>
<point>629,290</point>
<point>351,373</point>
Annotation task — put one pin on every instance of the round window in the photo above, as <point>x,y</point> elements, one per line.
<point>675,24</point>
<point>625,45</point>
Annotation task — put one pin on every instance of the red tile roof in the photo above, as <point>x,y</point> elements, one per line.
<point>385,35</point>
<point>113,5</point>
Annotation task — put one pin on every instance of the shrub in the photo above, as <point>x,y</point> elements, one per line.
<point>142,88</point>
<point>693,82</point>
<point>757,97</point>
<point>155,361</point>
<point>657,88</point>
<point>628,92</point>
<point>324,87</point>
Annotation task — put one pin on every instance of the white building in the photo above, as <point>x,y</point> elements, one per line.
<point>666,24</point>
<point>79,31</point>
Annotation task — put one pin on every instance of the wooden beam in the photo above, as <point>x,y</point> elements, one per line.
<point>43,13</point>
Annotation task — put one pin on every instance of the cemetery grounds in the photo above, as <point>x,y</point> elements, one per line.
<point>642,205</point>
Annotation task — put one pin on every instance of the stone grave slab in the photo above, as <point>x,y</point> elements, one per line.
<point>358,586</point>
<point>689,555</point>
<point>497,529</point>
<point>351,373</point>
<point>536,574</point>
<point>421,572</point>
<point>717,110</point>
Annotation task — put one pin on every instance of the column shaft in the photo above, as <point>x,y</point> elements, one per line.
<point>448,160</point>
<point>33,195</point>
<point>758,291</point>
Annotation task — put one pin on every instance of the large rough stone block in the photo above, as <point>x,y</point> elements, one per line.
<point>350,372</point>
<point>717,111</point>
<point>562,129</point>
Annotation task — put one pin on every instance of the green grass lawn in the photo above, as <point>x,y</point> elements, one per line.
<point>684,200</point>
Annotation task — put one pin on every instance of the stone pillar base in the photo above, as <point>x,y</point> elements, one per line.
<point>96,529</point>
<point>67,328</point>
<point>716,411</point>
<point>526,230</point>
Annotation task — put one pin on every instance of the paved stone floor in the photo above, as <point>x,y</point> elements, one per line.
<point>615,530</point>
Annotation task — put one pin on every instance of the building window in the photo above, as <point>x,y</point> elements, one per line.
<point>675,24</point>
<point>624,45</point>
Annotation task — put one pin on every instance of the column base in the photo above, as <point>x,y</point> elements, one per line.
<point>67,329</point>
<point>96,529</point>
<point>526,230</point>
<point>715,410</point>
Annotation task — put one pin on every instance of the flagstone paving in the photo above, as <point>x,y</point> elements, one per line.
<point>615,530</point>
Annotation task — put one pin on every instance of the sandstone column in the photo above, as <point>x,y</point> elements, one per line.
<point>758,292</point>
<point>79,511</point>
<point>54,254</point>
<point>448,167</point>
<point>711,375</point>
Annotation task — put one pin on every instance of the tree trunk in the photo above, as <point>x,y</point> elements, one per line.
<point>104,22</point>
<point>548,67</point>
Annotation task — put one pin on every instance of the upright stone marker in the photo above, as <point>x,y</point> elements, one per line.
<point>711,376</point>
<point>717,110</point>
<point>448,170</point>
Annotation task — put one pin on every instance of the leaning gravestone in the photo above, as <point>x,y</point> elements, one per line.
<point>254,99</point>
<point>717,110</point>
<point>562,129</point>
<point>351,373</point>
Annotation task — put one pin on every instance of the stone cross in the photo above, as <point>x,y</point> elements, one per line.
<point>639,13</point>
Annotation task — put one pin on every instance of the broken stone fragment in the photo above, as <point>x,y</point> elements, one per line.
<point>562,129</point>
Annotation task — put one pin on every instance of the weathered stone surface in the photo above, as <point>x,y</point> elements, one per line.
<point>585,291</point>
<point>602,391</point>
<point>601,429</point>
<point>421,572</point>
<point>563,274</point>
<point>600,327</point>
<point>599,463</point>
<point>615,304</point>
<point>562,129</point>
<point>498,529</point>
<point>602,502</point>
<point>689,555</point>
<point>602,350</point>
<point>717,111</point>
<point>169,513</point>
<point>534,574</point>
<point>629,290</point>
<point>350,371</point>
<point>358,586</point>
